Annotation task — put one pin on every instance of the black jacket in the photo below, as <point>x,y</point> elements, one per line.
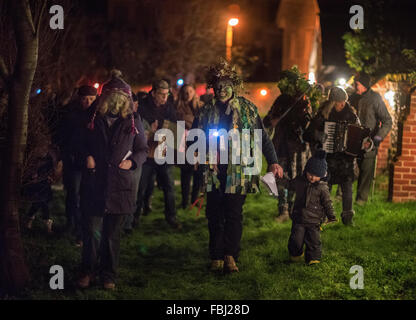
<point>313,201</point>
<point>340,164</point>
<point>109,188</point>
<point>149,112</point>
<point>287,138</point>
<point>73,131</point>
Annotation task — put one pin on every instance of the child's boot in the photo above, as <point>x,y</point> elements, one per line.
<point>347,216</point>
<point>297,258</point>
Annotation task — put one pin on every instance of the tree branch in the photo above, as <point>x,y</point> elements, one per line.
<point>40,16</point>
<point>29,16</point>
<point>4,73</point>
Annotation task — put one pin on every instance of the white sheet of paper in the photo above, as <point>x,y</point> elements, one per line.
<point>128,154</point>
<point>269,180</point>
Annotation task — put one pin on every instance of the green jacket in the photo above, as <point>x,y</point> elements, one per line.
<point>244,116</point>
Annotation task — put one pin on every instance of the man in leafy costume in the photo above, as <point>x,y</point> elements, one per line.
<point>227,184</point>
<point>286,121</point>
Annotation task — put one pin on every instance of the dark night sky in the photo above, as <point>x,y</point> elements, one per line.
<point>335,16</point>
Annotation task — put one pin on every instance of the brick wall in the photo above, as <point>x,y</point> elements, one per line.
<point>404,179</point>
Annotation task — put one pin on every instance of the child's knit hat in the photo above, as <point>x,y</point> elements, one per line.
<point>317,164</point>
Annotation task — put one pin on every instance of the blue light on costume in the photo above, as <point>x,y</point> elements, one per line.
<point>179,82</point>
<point>38,91</point>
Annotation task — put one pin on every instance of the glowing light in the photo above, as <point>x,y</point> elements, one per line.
<point>215,134</point>
<point>263,92</point>
<point>38,91</point>
<point>311,78</point>
<point>342,82</point>
<point>96,85</point>
<point>233,22</point>
<point>179,82</point>
<point>389,95</point>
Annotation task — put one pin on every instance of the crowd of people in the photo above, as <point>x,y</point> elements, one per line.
<point>107,148</point>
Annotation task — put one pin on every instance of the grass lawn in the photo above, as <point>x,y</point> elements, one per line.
<point>159,263</point>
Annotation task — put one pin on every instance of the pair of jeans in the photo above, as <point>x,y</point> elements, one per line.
<point>72,182</point>
<point>101,245</point>
<point>166,183</point>
<point>224,212</point>
<point>346,188</point>
<point>308,235</point>
<point>187,173</point>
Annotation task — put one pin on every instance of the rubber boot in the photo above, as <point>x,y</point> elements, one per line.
<point>347,217</point>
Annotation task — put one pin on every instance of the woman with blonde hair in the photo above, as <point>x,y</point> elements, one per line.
<point>187,108</point>
<point>115,148</point>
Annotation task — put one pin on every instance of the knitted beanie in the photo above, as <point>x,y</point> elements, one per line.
<point>317,164</point>
<point>87,91</point>
<point>364,79</point>
<point>116,83</point>
<point>338,94</point>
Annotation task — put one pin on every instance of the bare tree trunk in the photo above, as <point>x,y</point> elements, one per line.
<point>14,273</point>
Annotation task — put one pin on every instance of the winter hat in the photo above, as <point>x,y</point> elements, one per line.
<point>317,164</point>
<point>87,91</point>
<point>338,94</point>
<point>116,83</point>
<point>364,79</point>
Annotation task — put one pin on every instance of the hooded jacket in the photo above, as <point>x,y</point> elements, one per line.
<point>313,201</point>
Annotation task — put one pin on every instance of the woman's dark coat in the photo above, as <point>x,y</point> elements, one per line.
<point>109,189</point>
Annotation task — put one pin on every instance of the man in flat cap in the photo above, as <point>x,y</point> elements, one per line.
<point>374,115</point>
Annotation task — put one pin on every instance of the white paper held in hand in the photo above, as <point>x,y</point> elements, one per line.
<point>128,154</point>
<point>269,181</point>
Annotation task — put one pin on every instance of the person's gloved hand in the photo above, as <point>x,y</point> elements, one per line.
<point>320,136</point>
<point>377,140</point>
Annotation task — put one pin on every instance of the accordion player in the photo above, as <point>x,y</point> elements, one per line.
<point>345,137</point>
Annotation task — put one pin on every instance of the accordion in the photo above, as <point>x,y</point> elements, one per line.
<point>344,137</point>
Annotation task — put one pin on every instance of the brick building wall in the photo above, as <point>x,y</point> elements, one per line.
<point>404,179</point>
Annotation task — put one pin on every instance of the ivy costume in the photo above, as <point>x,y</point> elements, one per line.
<point>228,184</point>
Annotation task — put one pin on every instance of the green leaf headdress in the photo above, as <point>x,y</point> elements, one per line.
<point>224,71</point>
<point>295,84</point>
